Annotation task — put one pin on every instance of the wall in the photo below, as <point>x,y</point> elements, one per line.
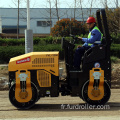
<point>9,17</point>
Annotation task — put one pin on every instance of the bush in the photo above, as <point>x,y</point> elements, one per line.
<point>36,41</point>
<point>11,42</point>
<point>115,38</point>
<point>48,40</point>
<point>114,59</point>
<point>65,27</point>
<point>115,50</point>
<point>48,47</point>
<point>7,52</point>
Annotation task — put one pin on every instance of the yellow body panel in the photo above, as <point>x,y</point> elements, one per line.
<point>96,94</point>
<point>36,60</point>
<point>43,78</point>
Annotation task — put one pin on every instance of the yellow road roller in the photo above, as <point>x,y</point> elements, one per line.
<point>36,74</point>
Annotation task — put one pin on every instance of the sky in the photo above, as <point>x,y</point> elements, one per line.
<point>62,3</point>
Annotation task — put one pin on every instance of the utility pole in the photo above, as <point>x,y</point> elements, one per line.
<point>28,33</point>
<point>18,21</point>
<point>28,15</point>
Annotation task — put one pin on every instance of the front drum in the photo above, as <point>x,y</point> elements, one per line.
<point>23,105</point>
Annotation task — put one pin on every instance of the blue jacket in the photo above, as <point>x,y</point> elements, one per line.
<point>95,35</point>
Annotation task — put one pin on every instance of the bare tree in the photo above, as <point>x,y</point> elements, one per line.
<point>49,1</point>
<point>18,22</point>
<point>56,5</point>
<point>116,2</point>
<point>106,4</point>
<point>17,3</point>
<point>91,4</point>
<point>50,10</point>
<point>82,10</point>
<point>74,9</point>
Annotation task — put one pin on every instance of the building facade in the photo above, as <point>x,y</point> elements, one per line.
<point>41,19</point>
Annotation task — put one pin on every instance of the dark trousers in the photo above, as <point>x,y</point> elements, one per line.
<point>78,55</point>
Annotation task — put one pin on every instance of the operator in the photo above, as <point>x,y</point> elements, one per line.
<point>94,37</point>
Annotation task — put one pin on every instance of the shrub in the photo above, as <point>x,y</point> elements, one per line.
<point>7,52</point>
<point>11,42</point>
<point>115,38</point>
<point>65,27</point>
<point>115,50</point>
<point>48,40</point>
<point>48,47</point>
<point>114,59</point>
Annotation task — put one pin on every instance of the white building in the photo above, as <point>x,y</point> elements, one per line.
<point>40,18</point>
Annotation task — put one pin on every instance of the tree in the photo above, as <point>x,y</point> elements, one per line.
<point>49,1</point>
<point>18,3</point>
<point>82,10</point>
<point>18,21</point>
<point>116,2</point>
<point>74,9</point>
<point>91,4</point>
<point>113,17</point>
<point>56,5</point>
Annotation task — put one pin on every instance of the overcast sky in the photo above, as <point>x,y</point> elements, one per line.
<point>62,3</point>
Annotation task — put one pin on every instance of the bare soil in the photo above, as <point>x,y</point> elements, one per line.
<point>4,77</point>
<point>115,75</point>
<point>53,107</point>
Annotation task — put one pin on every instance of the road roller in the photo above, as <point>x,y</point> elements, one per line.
<point>36,74</point>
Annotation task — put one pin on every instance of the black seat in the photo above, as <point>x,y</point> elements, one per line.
<point>93,54</point>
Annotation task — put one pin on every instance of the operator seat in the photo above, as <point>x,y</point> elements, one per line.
<point>96,53</point>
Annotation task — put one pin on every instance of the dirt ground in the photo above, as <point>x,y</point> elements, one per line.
<point>115,77</point>
<point>4,77</point>
<point>62,106</point>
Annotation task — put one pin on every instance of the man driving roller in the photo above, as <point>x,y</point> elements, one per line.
<point>94,37</point>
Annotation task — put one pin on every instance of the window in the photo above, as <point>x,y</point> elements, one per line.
<point>43,23</point>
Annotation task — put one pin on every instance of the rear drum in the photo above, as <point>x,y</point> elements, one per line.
<point>105,98</point>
